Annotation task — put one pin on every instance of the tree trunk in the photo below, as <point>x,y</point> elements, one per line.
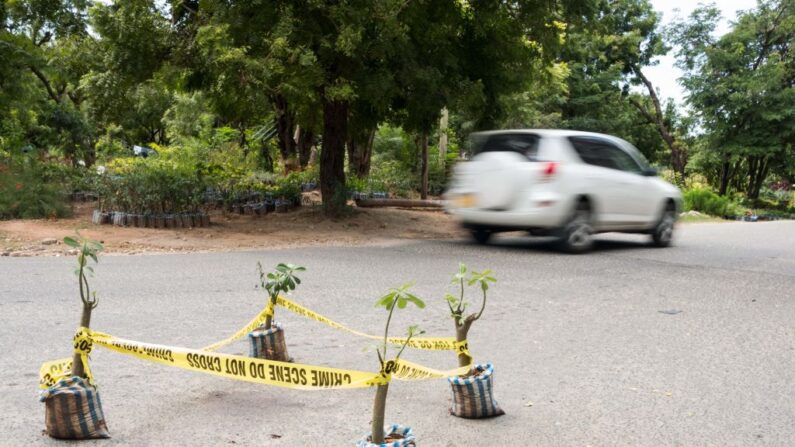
<point>305,141</point>
<point>400,203</point>
<point>360,149</point>
<point>269,318</point>
<point>424,165</point>
<point>758,172</point>
<point>332,157</point>
<point>285,128</point>
<point>265,154</point>
<point>725,176</point>
<point>461,333</point>
<point>443,122</point>
<point>678,152</point>
<point>77,362</point>
<point>379,408</point>
<point>241,127</point>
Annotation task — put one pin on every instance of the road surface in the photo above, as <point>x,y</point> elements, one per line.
<point>626,346</point>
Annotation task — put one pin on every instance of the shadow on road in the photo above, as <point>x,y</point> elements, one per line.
<point>548,245</point>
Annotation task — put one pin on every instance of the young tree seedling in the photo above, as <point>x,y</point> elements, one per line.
<point>282,279</point>
<point>459,304</point>
<point>398,297</point>
<point>86,249</point>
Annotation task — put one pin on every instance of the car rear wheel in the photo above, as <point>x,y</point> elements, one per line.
<point>663,232</point>
<point>577,235</point>
<point>480,235</point>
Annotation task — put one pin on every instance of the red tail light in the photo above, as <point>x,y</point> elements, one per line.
<point>550,169</point>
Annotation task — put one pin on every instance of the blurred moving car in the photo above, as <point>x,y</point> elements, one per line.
<point>563,183</point>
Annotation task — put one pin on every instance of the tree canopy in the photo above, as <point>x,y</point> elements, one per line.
<point>303,81</point>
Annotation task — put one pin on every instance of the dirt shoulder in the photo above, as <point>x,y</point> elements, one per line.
<point>302,227</point>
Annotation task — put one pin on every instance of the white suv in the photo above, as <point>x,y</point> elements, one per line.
<point>559,182</point>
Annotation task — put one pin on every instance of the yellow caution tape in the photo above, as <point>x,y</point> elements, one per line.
<point>53,371</point>
<point>82,346</point>
<point>253,324</point>
<point>404,370</point>
<point>434,344</point>
<point>266,372</point>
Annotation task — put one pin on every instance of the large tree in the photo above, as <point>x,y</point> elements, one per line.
<point>608,89</point>
<point>741,85</point>
<point>45,49</point>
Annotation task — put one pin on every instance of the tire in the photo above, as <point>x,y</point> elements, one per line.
<point>663,231</point>
<point>576,236</point>
<point>481,236</point>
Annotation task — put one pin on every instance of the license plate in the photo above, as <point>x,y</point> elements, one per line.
<point>465,201</point>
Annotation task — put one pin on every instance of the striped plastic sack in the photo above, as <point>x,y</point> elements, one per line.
<point>407,437</point>
<point>473,397</point>
<point>269,344</point>
<point>73,410</point>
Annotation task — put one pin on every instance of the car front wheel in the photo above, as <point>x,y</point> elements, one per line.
<point>663,232</point>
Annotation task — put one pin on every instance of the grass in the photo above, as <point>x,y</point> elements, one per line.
<point>702,218</point>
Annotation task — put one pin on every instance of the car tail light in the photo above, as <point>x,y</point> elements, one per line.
<point>548,171</point>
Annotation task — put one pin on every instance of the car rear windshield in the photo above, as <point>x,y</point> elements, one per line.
<point>521,143</point>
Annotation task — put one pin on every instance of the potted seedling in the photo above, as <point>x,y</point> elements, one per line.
<point>72,406</point>
<point>392,435</point>
<point>472,393</point>
<point>268,340</point>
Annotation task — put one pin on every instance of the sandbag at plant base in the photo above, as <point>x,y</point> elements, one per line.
<point>73,410</point>
<point>473,397</point>
<point>398,431</point>
<point>269,344</point>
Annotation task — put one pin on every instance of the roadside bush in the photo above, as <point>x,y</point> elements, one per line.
<point>26,193</point>
<point>705,201</point>
<point>395,178</point>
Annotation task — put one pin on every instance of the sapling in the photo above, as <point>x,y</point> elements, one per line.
<point>459,304</point>
<point>282,279</point>
<point>86,248</point>
<point>397,297</point>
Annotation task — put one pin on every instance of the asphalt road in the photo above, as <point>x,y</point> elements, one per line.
<point>583,354</point>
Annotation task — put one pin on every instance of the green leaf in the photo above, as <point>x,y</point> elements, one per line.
<point>401,303</point>
<point>71,242</point>
<point>385,300</point>
<point>417,302</point>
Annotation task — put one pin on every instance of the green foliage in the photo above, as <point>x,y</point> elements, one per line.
<point>462,278</point>
<point>281,280</point>
<point>86,249</point>
<point>150,185</point>
<point>398,297</point>
<point>188,117</point>
<point>706,201</point>
<point>27,192</point>
<point>741,86</point>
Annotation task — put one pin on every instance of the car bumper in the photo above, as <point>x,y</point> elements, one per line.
<point>541,211</point>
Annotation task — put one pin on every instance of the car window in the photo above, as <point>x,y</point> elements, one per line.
<point>599,152</point>
<point>623,161</point>
<point>522,143</point>
<point>593,151</point>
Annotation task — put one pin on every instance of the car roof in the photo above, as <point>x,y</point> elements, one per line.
<point>558,133</point>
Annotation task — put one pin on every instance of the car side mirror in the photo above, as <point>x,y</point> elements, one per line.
<point>649,172</point>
